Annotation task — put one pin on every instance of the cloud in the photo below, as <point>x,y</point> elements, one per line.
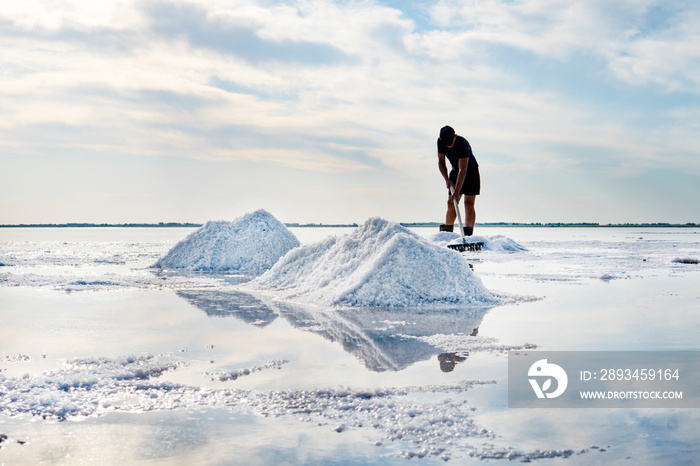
<point>235,36</point>
<point>356,89</point>
<point>642,41</point>
<point>169,68</point>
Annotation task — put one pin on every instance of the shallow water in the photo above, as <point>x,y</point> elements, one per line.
<point>104,360</point>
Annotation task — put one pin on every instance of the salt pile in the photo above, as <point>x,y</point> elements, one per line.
<point>497,243</point>
<point>380,264</point>
<point>253,242</point>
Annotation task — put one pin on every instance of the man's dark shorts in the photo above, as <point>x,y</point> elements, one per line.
<point>472,182</point>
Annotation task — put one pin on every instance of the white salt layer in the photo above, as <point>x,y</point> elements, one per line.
<point>379,264</point>
<point>497,243</point>
<point>253,242</point>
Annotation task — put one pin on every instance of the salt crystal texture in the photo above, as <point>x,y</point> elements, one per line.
<point>497,243</point>
<point>253,242</point>
<point>380,264</point>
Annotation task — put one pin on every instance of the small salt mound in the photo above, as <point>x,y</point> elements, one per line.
<point>253,242</point>
<point>498,243</point>
<point>381,264</point>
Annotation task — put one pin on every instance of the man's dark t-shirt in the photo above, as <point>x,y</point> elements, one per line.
<point>460,150</point>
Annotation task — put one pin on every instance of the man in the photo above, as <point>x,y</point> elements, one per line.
<point>463,178</point>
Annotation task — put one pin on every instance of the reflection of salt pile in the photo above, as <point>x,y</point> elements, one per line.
<point>380,264</point>
<point>253,242</point>
<point>491,243</point>
<point>385,339</point>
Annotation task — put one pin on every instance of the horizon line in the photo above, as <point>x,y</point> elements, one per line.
<point>348,225</point>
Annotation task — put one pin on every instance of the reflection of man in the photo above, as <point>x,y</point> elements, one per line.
<point>464,177</point>
<point>448,361</point>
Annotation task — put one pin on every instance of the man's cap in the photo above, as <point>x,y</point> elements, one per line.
<point>447,134</point>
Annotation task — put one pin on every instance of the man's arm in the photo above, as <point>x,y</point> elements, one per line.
<point>461,175</point>
<point>443,169</point>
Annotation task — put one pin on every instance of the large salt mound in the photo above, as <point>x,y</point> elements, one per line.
<point>380,263</point>
<point>253,242</point>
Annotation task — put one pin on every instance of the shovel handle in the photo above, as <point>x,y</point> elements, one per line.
<point>459,215</point>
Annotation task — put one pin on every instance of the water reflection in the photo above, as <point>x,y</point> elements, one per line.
<point>448,361</point>
<point>230,304</point>
<point>383,339</point>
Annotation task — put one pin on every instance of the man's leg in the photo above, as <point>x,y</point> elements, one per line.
<point>469,214</point>
<point>451,212</point>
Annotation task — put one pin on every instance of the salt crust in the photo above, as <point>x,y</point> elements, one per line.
<point>438,425</point>
<point>497,243</point>
<point>125,265</point>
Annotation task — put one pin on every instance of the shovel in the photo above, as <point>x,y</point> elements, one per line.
<point>464,246</point>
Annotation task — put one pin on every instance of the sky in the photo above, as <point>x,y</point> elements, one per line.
<point>329,111</point>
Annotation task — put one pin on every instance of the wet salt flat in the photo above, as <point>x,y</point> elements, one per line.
<point>104,359</point>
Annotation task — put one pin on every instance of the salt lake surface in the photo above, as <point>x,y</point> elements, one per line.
<point>104,359</point>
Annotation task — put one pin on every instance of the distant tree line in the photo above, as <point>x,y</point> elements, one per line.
<point>341,225</point>
<point>103,225</point>
<point>334,225</point>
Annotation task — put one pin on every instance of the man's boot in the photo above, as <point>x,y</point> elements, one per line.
<point>447,227</point>
<point>468,231</point>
